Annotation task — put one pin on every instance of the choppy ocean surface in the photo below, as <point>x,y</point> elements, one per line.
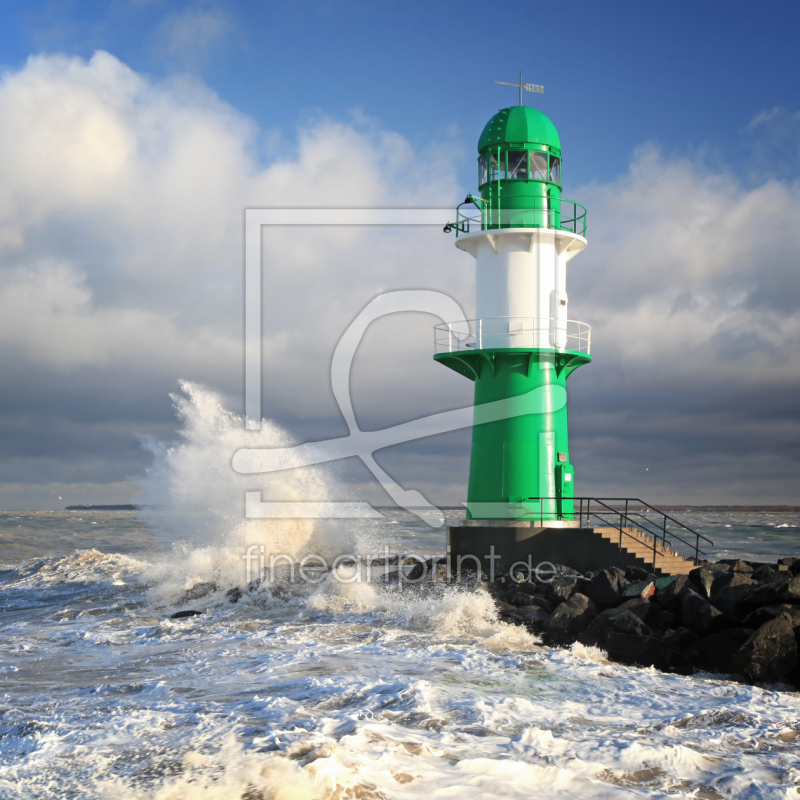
<point>344,690</point>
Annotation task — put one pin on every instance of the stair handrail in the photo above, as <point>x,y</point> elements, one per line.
<point>635,519</point>
<point>664,532</point>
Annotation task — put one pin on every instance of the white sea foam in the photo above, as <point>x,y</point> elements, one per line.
<point>196,500</point>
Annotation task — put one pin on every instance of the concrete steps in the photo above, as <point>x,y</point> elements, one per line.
<point>640,546</point>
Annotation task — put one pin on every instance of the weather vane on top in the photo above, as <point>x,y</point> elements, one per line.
<point>528,87</point>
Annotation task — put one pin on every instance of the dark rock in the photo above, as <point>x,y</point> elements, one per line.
<point>735,601</point>
<point>766,574</point>
<point>627,622</point>
<point>524,599</point>
<point>770,653</point>
<point>681,640</point>
<point>416,572</point>
<point>630,648</point>
<point>234,594</point>
<point>660,618</point>
<point>606,588</point>
<point>571,617</point>
<point>504,609</point>
<point>741,566</point>
<point>698,614</point>
<point>197,591</point>
<point>717,649</point>
<point>535,619</point>
<point>791,593</point>
<point>563,571</point>
<point>639,606</point>
<point>643,590</point>
<point>790,561</point>
<point>668,591</point>
<point>764,614</point>
<point>186,613</point>
<point>702,578</point>
<point>595,634</point>
<point>784,590</point>
<point>636,574</point>
<point>561,589</point>
<point>727,581</point>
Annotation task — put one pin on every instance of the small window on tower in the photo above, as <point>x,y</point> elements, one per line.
<point>483,170</point>
<point>518,164</point>
<point>538,166</point>
<point>555,170</point>
<point>495,171</point>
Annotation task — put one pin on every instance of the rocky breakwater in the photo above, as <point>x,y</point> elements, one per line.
<point>738,618</point>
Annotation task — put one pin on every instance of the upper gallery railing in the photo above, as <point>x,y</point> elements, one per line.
<point>504,332</point>
<point>559,214</point>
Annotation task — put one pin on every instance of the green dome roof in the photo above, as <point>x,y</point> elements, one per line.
<point>520,125</point>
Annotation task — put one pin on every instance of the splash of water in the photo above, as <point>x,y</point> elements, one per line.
<point>195,499</point>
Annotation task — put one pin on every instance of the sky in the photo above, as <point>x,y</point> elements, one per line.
<point>134,134</point>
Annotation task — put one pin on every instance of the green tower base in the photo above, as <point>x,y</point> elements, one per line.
<point>519,465</point>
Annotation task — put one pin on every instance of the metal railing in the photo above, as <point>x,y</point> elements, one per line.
<point>657,529</point>
<point>491,333</point>
<point>558,214</point>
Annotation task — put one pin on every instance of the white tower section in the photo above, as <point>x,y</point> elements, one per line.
<point>521,285</point>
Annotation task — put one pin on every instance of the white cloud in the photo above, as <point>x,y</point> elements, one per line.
<point>121,227</point>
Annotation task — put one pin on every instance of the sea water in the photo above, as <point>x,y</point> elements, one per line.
<point>338,689</point>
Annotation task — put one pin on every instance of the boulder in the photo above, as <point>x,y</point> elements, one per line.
<point>764,614</point>
<point>630,648</point>
<point>524,599</point>
<point>535,619</point>
<point>504,609</point>
<point>668,589</point>
<point>626,621</point>
<point>698,614</point>
<point>234,594</point>
<point>571,617</point>
<point>189,612</point>
<point>702,578</point>
<point>735,601</point>
<point>606,588</point>
<point>198,590</point>
<point>680,640</point>
<point>741,566</point>
<point>562,588</point>
<point>770,653</point>
<point>784,590</point>
<point>728,581</point>
<point>636,574</point>
<point>639,606</point>
<point>595,634</point>
<point>766,574</point>
<point>660,618</point>
<point>717,649</point>
<point>644,590</point>
<point>790,561</point>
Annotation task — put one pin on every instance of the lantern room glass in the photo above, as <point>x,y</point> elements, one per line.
<point>555,170</point>
<point>496,171</point>
<point>538,165</point>
<point>483,170</point>
<point>518,164</point>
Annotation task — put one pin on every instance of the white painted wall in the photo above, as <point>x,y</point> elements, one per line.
<point>521,273</point>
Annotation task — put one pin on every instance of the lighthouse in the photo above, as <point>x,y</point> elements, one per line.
<point>522,347</point>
